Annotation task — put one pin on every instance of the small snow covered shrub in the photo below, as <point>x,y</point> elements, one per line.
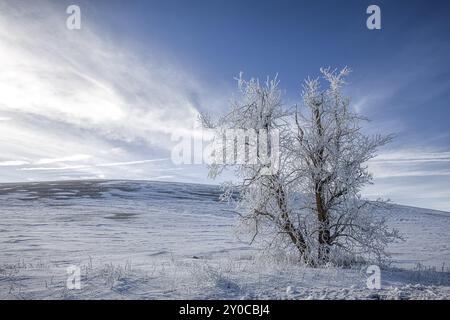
<point>312,203</point>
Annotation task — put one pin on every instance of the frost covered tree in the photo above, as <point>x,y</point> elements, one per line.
<point>312,202</point>
<point>330,153</point>
<point>265,200</point>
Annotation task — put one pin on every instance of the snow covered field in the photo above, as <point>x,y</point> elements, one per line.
<point>156,240</point>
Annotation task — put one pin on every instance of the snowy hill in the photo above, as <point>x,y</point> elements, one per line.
<point>171,240</point>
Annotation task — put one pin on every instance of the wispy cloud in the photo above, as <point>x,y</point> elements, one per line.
<point>13,163</point>
<point>411,162</point>
<point>77,157</point>
<point>412,157</point>
<point>74,167</point>
<point>417,176</point>
<point>73,92</point>
<point>129,163</point>
<point>62,168</point>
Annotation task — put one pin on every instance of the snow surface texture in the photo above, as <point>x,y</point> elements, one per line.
<point>156,240</point>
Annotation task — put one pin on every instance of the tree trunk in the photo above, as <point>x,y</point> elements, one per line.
<point>322,213</point>
<point>287,226</point>
<point>324,229</point>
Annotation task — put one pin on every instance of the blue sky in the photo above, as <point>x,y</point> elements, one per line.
<point>103,101</point>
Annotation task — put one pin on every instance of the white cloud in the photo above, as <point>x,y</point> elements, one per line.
<point>418,177</point>
<point>78,78</point>
<point>63,168</point>
<point>73,167</point>
<point>411,162</point>
<point>161,178</point>
<point>128,163</point>
<point>412,156</point>
<point>76,157</point>
<point>73,92</point>
<point>13,163</point>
